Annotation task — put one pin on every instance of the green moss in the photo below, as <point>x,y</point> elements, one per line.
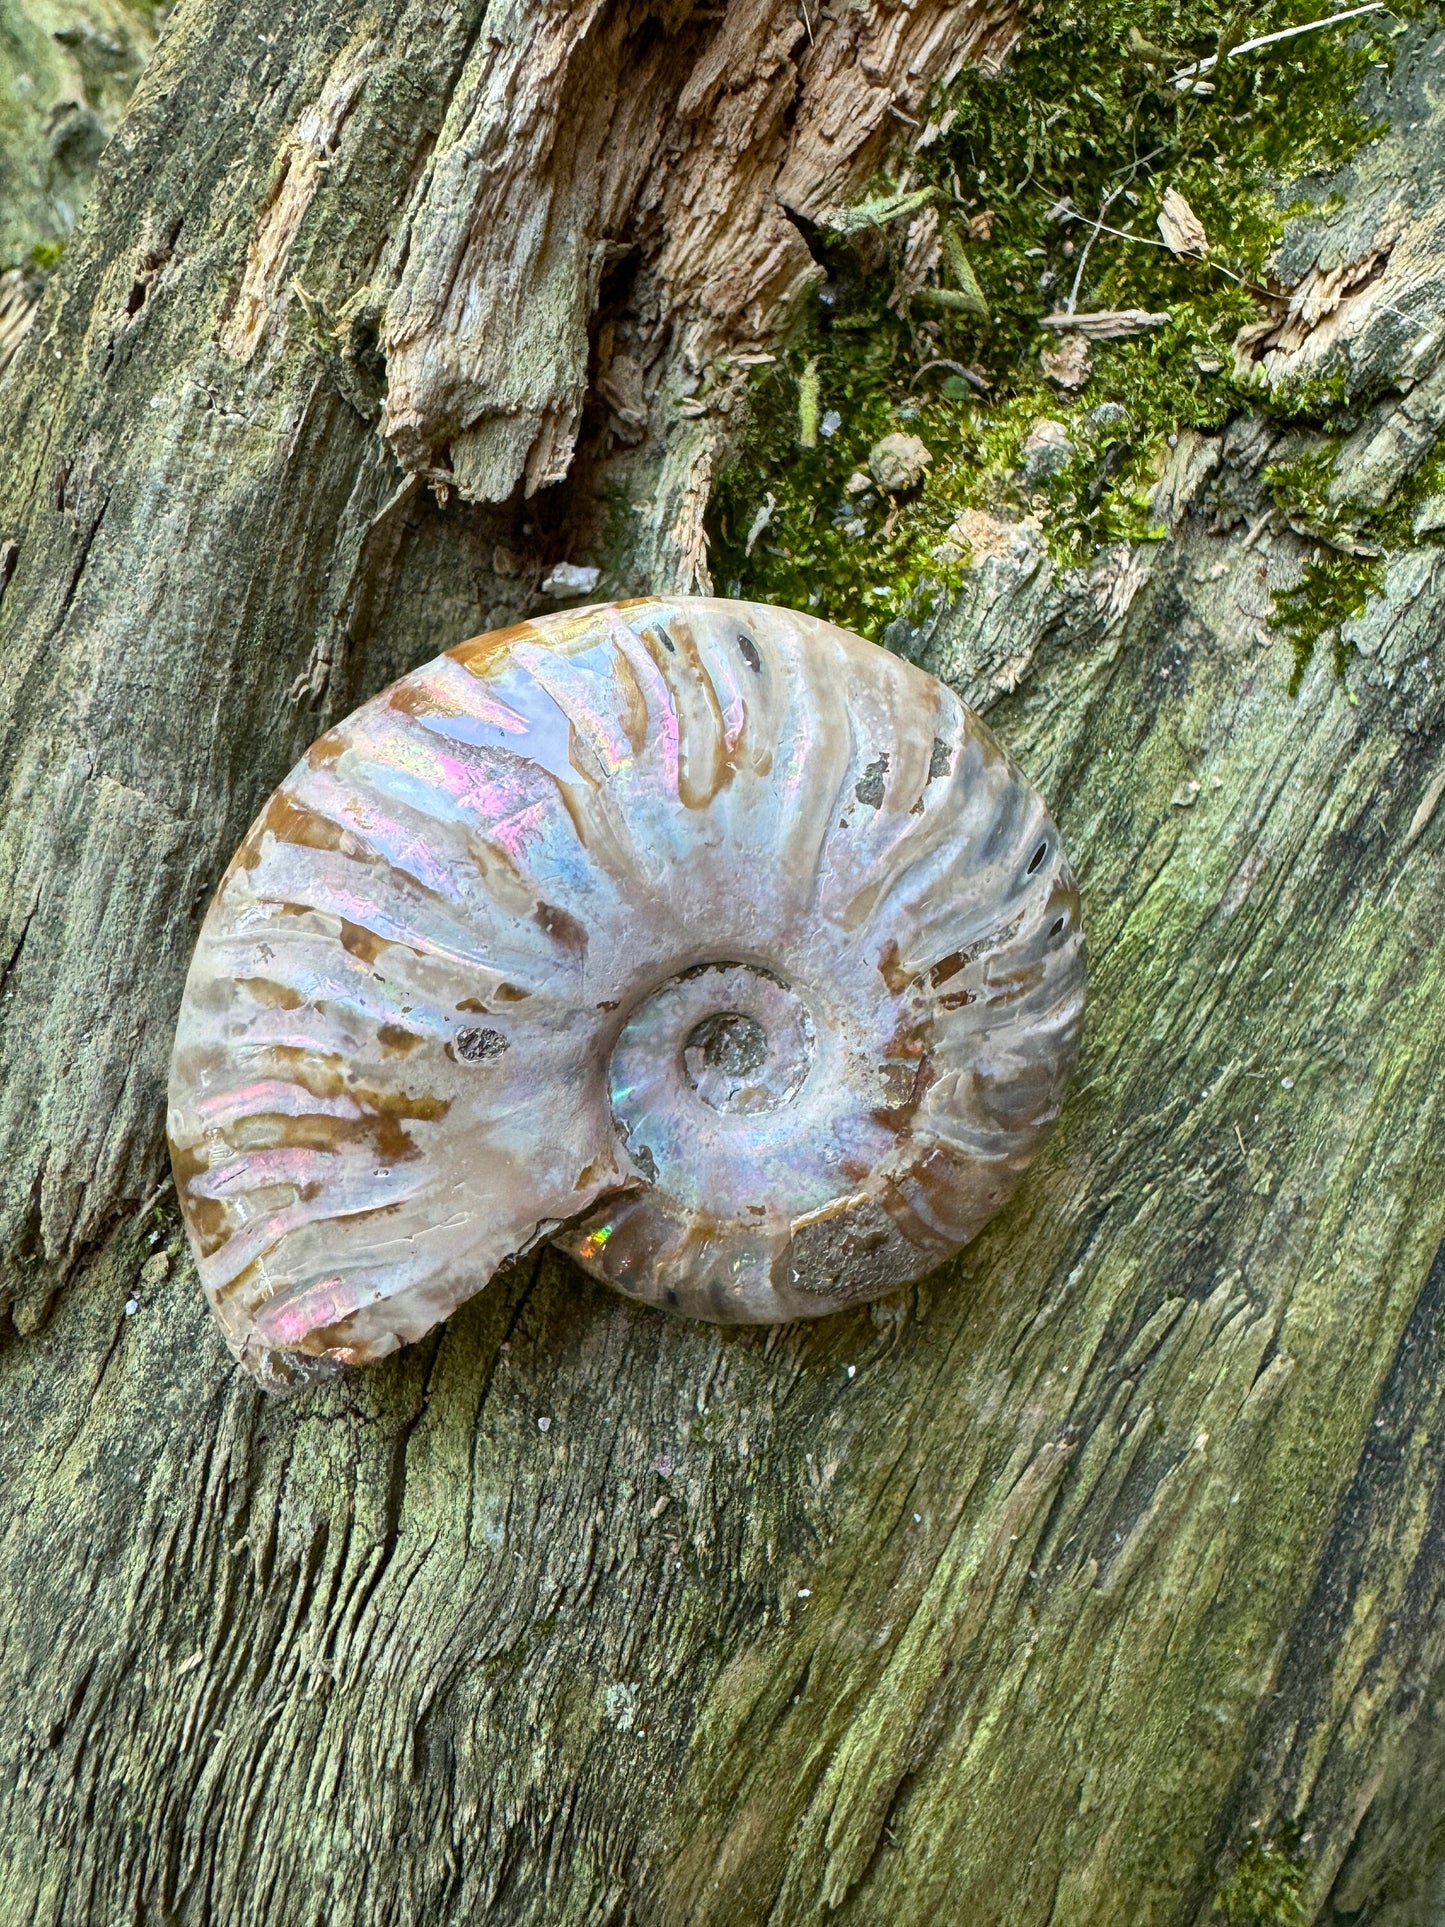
<point>1266,1888</point>
<point>1355,541</point>
<point>1083,115</point>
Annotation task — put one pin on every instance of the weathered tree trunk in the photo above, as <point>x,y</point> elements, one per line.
<point>1095,1578</point>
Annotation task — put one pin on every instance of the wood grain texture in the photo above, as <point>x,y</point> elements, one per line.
<point>67,68</point>
<point>1031,1594</point>
<point>583,133</point>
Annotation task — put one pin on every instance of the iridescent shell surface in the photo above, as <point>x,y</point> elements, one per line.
<point>725,950</point>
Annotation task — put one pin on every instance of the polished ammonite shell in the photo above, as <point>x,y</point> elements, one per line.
<point>720,947</point>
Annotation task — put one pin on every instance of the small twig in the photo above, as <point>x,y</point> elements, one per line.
<point>1123,234</point>
<point>1211,61</point>
<point>1147,241</point>
<point>155,1196</point>
<point>1104,324</point>
<point>1131,168</point>
<point>760,521</point>
<point>955,367</point>
<point>1308,26</point>
<point>1107,203</point>
<point>1067,211</point>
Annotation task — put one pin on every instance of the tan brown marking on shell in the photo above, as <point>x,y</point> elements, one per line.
<point>723,949</point>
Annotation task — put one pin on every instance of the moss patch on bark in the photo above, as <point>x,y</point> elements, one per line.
<point>1024,172</point>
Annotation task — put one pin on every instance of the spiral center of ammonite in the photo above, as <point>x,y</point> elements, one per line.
<point>734,1064</point>
<point>731,1036</point>
<point>728,1045</point>
<point>751,1049</point>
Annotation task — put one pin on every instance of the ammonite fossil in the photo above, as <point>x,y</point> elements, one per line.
<point>723,949</point>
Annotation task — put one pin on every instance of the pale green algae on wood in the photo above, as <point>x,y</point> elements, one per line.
<point>67,68</point>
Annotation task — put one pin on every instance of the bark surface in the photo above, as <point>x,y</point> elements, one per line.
<point>1056,1589</point>
<point>67,68</point>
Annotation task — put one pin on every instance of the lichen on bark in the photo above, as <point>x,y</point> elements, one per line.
<point>66,72</point>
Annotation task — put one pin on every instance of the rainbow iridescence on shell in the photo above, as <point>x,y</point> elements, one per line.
<point>720,947</point>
